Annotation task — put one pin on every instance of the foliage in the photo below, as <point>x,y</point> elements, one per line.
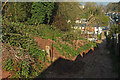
<point>42,30</point>
<point>86,47</point>
<point>42,12</point>
<point>90,8</point>
<point>64,48</point>
<point>99,36</point>
<point>113,7</point>
<point>34,13</point>
<point>49,32</point>
<point>17,11</point>
<point>69,11</point>
<point>8,65</point>
<point>113,30</point>
<point>18,33</point>
<point>102,19</point>
<point>60,23</point>
<point>26,42</point>
<point>22,68</point>
<point>69,36</point>
<point>97,11</point>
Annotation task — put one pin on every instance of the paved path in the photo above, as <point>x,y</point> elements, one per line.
<point>96,64</point>
<point>99,64</point>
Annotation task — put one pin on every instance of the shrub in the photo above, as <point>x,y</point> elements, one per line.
<point>60,23</point>
<point>99,36</point>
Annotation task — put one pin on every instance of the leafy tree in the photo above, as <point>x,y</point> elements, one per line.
<point>60,23</point>
<point>114,29</point>
<point>98,12</point>
<point>90,8</point>
<point>42,12</point>
<point>69,11</point>
<point>8,11</point>
<point>113,7</point>
<point>17,11</point>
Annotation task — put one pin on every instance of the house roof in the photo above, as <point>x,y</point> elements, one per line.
<point>77,18</point>
<point>105,28</point>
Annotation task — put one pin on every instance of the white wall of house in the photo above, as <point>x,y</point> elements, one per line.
<point>81,27</point>
<point>69,21</point>
<point>77,21</point>
<point>82,6</point>
<point>90,32</point>
<point>99,29</point>
<point>75,27</point>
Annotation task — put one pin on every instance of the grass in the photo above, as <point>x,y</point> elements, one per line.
<point>71,50</point>
<point>44,31</point>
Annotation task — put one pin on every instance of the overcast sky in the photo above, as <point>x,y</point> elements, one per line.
<point>61,0</point>
<point>100,0</point>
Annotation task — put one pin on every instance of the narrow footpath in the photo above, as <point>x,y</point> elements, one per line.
<point>99,64</point>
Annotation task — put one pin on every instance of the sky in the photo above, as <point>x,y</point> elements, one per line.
<point>100,0</point>
<point>61,0</point>
<point>98,3</point>
<point>103,2</point>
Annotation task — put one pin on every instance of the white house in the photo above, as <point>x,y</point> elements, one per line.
<point>98,30</point>
<point>90,30</point>
<point>78,21</point>
<point>68,21</point>
<point>82,6</point>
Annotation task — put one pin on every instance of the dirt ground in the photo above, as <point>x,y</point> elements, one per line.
<point>95,64</point>
<point>5,55</point>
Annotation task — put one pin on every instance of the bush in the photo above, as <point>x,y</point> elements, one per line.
<point>16,34</point>
<point>68,37</point>
<point>60,23</point>
<point>99,36</point>
<point>42,12</point>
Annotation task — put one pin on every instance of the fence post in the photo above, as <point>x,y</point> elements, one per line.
<point>119,44</point>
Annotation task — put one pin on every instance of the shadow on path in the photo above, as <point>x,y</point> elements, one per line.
<point>94,64</point>
<point>63,66</point>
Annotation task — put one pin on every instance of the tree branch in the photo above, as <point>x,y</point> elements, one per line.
<point>4,5</point>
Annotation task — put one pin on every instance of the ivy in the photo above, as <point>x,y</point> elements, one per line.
<point>17,36</point>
